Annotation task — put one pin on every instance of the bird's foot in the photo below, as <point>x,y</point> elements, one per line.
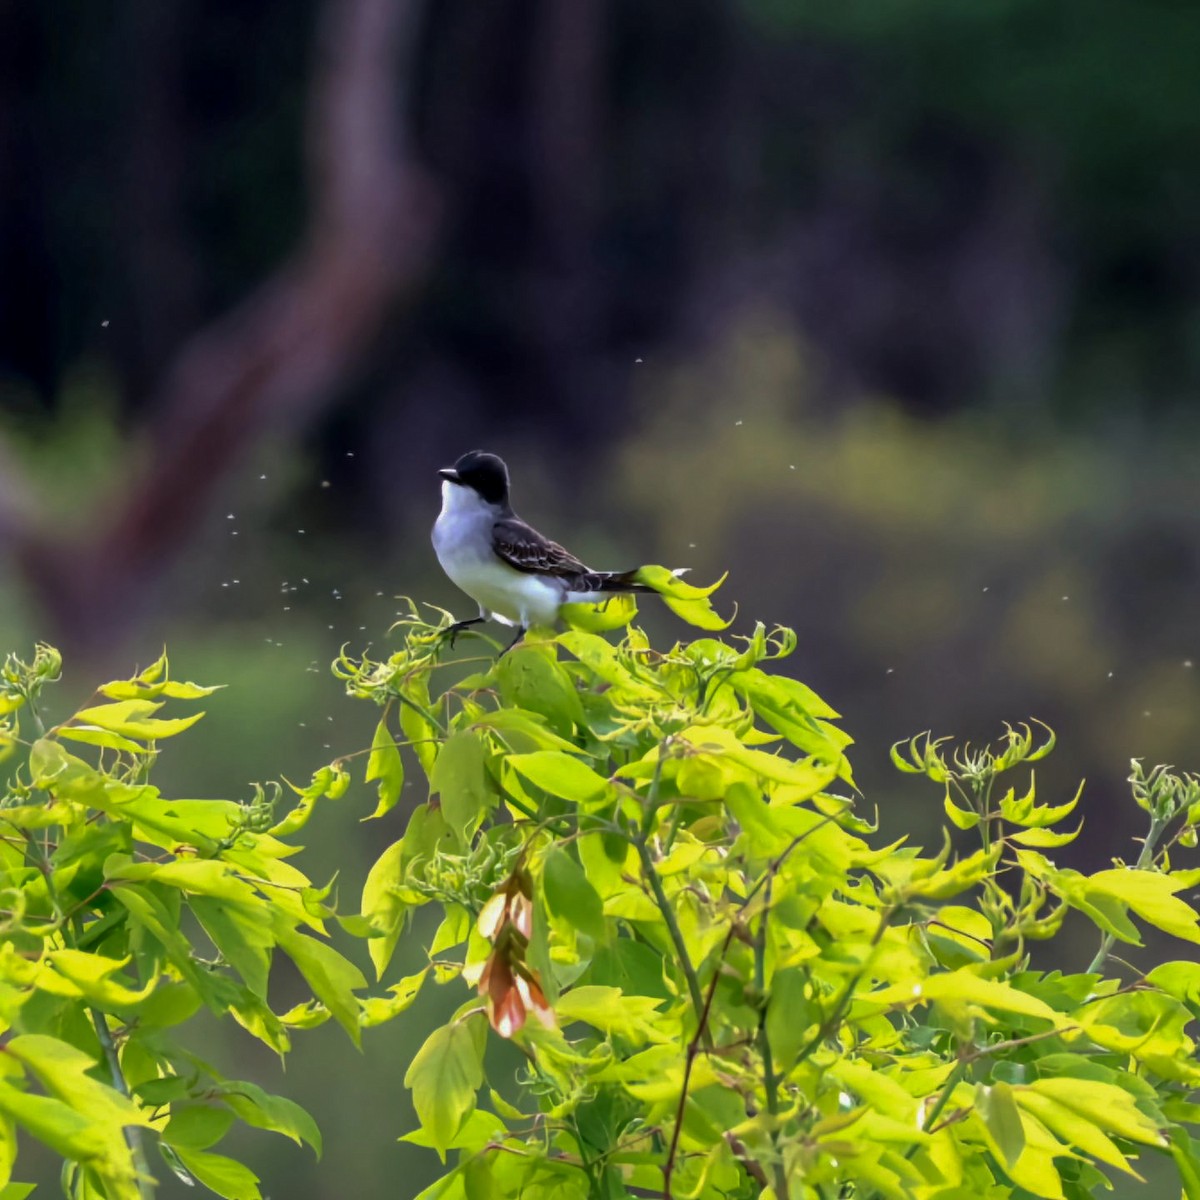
<point>521,631</point>
<point>451,632</point>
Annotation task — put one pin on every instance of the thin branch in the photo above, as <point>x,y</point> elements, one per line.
<point>693,1049</point>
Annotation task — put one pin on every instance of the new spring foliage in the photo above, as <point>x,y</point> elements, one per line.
<point>652,876</point>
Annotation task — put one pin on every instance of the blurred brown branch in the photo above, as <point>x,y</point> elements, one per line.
<point>275,361</point>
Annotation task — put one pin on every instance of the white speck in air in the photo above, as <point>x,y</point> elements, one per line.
<point>1110,674</point>
<point>103,324</point>
<point>303,580</point>
<point>737,422</point>
<point>1187,662</point>
<point>325,483</point>
<point>224,585</point>
<point>1145,712</point>
<point>691,545</point>
<point>331,627</point>
<point>229,516</point>
<point>1066,597</point>
<point>287,608</point>
<point>791,466</point>
<point>299,530</point>
<point>302,725</point>
<point>637,360</point>
<point>890,671</point>
<point>262,477</point>
<point>349,453</point>
<point>237,581</point>
<point>233,533</point>
<point>985,589</point>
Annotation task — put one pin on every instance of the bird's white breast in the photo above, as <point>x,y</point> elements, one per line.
<point>462,539</point>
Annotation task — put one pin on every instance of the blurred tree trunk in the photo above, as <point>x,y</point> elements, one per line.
<point>278,359</point>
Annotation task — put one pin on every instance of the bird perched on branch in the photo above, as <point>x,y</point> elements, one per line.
<point>515,574</point>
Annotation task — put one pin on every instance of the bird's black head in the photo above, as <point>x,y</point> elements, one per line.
<point>484,473</point>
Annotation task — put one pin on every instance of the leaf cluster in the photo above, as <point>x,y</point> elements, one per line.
<point>653,879</point>
<point>124,913</point>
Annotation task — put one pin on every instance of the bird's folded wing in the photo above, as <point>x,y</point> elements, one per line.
<point>522,547</point>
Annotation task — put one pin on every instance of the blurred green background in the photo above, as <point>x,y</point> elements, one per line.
<point>892,310</point>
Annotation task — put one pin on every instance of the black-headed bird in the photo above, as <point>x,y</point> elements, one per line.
<point>515,574</point>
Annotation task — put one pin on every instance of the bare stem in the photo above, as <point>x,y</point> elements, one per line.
<point>1158,827</point>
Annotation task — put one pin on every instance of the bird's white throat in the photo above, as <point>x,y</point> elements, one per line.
<point>462,538</point>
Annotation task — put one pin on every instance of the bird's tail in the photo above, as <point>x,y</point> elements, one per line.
<point>623,581</point>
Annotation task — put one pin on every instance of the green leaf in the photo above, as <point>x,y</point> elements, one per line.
<point>445,1076</point>
<point>964,986</point>
<point>684,599</point>
<point>135,719</point>
<point>8,1152</point>
<point>963,818</point>
<point>385,765</point>
<point>329,782</point>
<point>517,726</point>
<point>277,1114</point>
<point>569,896</point>
<point>378,1009</point>
<point>1104,1104</point>
<point>196,1126</point>
<point>529,678</point>
<point>1152,896</point>
<point>459,778</point>
<point>242,933</point>
<point>54,1123</point>
<point>612,612</point>
<point>63,1072</point>
<point>790,1016</point>
<point>414,722</point>
<point>225,1176</point>
<point>383,907</point>
<point>477,1130</point>
<point>997,1106</point>
<point>561,775</point>
<point>1073,1128</point>
<point>613,1012</point>
<point>1183,1151</point>
<point>1045,838</point>
<point>333,979</point>
<point>94,736</point>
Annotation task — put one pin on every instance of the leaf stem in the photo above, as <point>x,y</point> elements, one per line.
<point>73,933</point>
<point>693,1049</point>
<point>1158,827</point>
<point>664,906</point>
<point>770,1079</point>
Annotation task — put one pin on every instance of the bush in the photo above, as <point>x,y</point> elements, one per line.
<point>653,880</point>
<point>123,914</point>
<point>654,885</point>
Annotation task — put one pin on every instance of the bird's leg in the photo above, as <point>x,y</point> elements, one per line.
<point>454,630</point>
<point>521,631</point>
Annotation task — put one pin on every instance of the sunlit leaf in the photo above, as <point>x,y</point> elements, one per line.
<point>385,765</point>
<point>459,779</point>
<point>444,1077</point>
<point>569,895</point>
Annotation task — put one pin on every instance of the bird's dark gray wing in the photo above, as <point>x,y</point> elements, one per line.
<point>522,547</point>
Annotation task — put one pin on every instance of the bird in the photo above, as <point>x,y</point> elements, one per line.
<point>516,575</point>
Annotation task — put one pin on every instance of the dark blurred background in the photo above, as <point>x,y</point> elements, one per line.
<point>890,309</point>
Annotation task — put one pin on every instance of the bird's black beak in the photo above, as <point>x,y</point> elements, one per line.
<point>449,473</point>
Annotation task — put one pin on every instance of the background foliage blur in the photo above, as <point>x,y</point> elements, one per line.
<point>893,310</point>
